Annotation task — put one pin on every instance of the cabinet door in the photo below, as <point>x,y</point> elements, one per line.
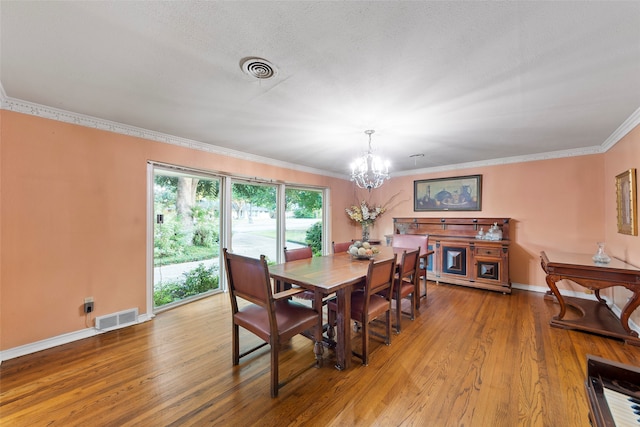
<point>488,269</point>
<point>454,260</point>
<point>490,264</point>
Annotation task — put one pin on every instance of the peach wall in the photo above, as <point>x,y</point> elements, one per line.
<point>621,157</point>
<point>73,220</point>
<point>73,215</point>
<point>554,205</point>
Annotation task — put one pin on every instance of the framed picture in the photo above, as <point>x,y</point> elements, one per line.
<point>626,199</point>
<point>461,193</point>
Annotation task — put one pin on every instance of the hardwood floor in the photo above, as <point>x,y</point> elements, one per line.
<point>471,358</point>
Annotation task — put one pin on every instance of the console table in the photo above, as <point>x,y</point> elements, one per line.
<point>459,258</point>
<point>595,316</point>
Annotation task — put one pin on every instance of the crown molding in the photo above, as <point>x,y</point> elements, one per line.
<point>33,109</point>
<point>25,107</point>
<point>626,127</point>
<point>585,151</point>
<point>622,130</point>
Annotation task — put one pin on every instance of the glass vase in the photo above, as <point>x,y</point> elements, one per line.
<point>601,257</point>
<point>365,232</point>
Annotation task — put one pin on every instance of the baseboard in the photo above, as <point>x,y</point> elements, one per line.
<point>67,338</point>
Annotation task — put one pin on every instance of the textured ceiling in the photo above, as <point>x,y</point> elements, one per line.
<point>457,81</point>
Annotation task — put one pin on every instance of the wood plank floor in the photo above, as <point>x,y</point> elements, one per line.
<point>471,358</point>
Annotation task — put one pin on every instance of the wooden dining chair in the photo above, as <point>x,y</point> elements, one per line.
<point>406,284</point>
<point>294,255</point>
<point>340,246</point>
<point>412,241</point>
<point>367,303</point>
<point>274,318</point>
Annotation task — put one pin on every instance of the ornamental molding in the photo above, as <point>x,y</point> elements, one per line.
<point>25,107</point>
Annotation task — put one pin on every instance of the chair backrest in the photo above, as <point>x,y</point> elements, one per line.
<point>298,253</point>
<point>380,276</point>
<point>409,264</point>
<point>411,241</point>
<point>248,278</point>
<point>341,246</point>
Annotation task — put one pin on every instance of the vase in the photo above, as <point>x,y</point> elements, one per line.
<point>365,232</point>
<point>601,257</point>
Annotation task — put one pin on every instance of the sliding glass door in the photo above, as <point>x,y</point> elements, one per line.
<point>195,214</point>
<point>186,234</point>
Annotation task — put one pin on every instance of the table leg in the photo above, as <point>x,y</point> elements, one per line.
<point>343,322</point>
<point>629,308</point>
<point>551,282</point>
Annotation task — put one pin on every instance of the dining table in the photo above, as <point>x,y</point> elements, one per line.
<point>332,274</point>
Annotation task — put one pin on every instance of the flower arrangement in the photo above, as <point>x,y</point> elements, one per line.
<point>365,213</point>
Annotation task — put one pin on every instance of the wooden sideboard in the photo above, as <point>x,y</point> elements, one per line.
<point>459,258</point>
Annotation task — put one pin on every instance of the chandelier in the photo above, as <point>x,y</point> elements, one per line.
<point>369,171</point>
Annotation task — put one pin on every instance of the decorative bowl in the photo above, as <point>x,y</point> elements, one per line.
<point>362,256</point>
<point>358,248</point>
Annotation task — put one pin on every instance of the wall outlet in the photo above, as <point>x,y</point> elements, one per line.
<point>88,305</point>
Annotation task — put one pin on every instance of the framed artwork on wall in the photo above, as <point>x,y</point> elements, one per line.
<point>626,197</point>
<point>461,193</point>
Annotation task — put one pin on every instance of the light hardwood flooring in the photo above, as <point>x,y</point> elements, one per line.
<point>470,358</point>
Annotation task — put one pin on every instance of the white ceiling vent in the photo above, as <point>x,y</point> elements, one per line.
<point>258,68</point>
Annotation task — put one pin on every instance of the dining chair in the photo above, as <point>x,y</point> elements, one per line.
<point>274,318</point>
<point>367,304</point>
<point>406,283</point>
<point>294,255</point>
<point>341,246</point>
<point>412,241</point>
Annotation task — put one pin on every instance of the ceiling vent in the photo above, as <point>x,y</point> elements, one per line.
<point>258,68</point>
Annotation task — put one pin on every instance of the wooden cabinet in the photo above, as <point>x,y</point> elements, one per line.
<point>459,258</point>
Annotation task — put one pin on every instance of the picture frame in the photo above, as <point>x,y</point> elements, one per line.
<point>626,199</point>
<point>460,193</point>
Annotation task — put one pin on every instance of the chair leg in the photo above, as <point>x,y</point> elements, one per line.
<point>387,341</point>
<point>398,313</point>
<point>274,369</point>
<point>235,338</point>
<point>365,342</point>
<point>420,295</point>
<point>415,299</point>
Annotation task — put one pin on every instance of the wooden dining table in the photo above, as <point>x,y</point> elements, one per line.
<point>329,274</point>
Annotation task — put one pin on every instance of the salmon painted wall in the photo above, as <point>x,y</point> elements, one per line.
<point>553,205</point>
<point>73,215</point>
<point>73,220</point>
<point>623,156</point>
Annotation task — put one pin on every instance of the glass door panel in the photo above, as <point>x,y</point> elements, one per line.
<point>303,219</point>
<point>186,237</point>
<point>254,220</point>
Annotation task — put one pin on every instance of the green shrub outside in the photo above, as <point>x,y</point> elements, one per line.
<point>168,239</point>
<point>198,280</point>
<point>314,238</point>
<point>205,231</point>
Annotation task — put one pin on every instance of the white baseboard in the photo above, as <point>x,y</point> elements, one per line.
<point>23,350</point>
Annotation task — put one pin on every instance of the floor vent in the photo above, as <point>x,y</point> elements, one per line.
<point>117,320</point>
